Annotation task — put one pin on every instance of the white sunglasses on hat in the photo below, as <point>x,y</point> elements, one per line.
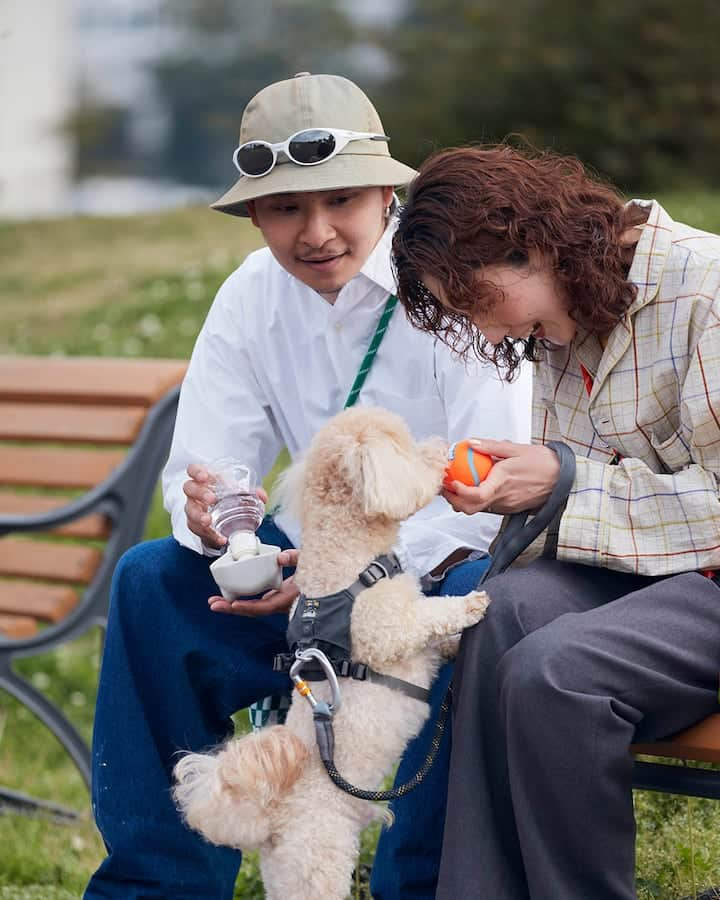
<point>308,147</point>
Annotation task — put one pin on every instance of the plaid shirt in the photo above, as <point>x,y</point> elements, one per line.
<point>656,401</point>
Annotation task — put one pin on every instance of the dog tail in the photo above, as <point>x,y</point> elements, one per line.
<point>228,796</point>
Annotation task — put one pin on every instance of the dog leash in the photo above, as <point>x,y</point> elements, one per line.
<point>519,533</point>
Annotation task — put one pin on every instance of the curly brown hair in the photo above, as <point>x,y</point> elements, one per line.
<point>472,207</point>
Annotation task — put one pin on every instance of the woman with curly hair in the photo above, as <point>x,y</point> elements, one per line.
<point>611,635</point>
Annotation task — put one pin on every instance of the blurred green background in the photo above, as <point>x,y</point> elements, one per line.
<point>632,89</point>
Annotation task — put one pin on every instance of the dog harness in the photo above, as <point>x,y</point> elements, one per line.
<point>517,535</point>
<point>323,624</point>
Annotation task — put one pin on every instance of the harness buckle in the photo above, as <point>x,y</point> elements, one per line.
<point>359,671</point>
<point>282,662</point>
<point>302,658</point>
<point>343,668</point>
<point>371,576</point>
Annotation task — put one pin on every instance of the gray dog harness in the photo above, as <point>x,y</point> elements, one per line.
<point>323,623</point>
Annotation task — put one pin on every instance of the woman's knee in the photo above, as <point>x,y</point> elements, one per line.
<point>484,645</point>
<point>524,600</point>
<point>542,671</point>
<point>510,614</point>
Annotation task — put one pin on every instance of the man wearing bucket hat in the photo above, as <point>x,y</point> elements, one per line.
<point>276,358</point>
<point>353,153</point>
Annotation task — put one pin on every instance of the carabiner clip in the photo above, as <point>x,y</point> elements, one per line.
<point>301,658</point>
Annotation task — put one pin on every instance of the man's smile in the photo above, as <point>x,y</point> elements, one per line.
<point>327,261</point>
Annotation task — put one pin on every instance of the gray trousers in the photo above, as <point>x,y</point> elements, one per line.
<point>570,665</point>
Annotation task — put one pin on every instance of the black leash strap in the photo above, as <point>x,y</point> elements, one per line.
<point>519,533</point>
<point>324,735</point>
<point>517,536</point>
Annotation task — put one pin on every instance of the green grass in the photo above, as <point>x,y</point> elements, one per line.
<point>142,286</point>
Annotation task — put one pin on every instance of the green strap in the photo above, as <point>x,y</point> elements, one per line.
<point>372,349</point>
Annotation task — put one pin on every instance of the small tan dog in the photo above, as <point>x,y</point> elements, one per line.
<point>362,476</point>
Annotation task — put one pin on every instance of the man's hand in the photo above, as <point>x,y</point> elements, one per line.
<point>521,479</point>
<point>200,497</point>
<point>278,600</point>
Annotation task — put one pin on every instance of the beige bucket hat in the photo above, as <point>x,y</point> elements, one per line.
<point>314,101</point>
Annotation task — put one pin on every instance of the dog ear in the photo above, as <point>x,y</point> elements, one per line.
<point>395,481</point>
<point>288,489</point>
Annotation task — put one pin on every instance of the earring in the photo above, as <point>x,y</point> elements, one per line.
<point>387,212</point>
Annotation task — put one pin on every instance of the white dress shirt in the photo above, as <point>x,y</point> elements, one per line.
<point>275,360</point>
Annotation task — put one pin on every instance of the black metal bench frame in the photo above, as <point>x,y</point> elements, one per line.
<point>124,498</point>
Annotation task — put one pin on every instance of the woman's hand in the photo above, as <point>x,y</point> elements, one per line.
<point>278,600</point>
<point>200,497</point>
<point>521,479</point>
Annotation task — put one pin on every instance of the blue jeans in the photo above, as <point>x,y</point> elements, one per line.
<point>173,673</point>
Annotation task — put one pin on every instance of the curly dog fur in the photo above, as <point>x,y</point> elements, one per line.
<point>361,477</point>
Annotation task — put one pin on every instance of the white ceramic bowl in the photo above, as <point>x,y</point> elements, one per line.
<point>241,579</point>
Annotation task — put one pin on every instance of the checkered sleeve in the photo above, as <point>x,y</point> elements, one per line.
<point>633,519</point>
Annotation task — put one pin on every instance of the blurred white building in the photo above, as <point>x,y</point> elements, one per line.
<point>37,91</point>
<point>117,41</point>
<point>58,54</point>
<point>53,55</point>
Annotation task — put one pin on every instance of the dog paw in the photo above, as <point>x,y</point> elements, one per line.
<point>448,647</point>
<point>476,604</point>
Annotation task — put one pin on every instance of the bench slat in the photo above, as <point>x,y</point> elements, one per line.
<point>55,562</point>
<point>47,602</point>
<point>701,743</point>
<point>50,467</point>
<point>88,379</point>
<point>17,626</point>
<point>92,526</point>
<point>77,424</point>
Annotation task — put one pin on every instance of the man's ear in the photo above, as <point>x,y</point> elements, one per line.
<point>253,213</point>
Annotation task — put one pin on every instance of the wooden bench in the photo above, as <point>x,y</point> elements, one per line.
<point>82,442</point>
<point>701,743</point>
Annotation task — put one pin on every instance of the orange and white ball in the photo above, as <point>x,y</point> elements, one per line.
<point>466,465</point>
